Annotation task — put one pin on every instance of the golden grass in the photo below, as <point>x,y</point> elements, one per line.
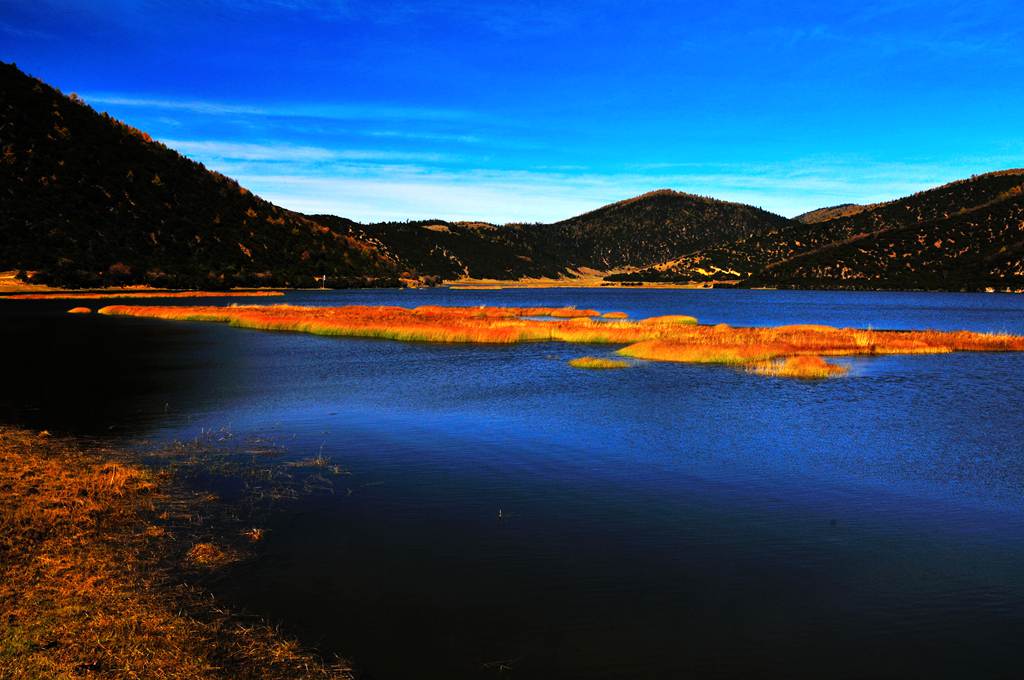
<point>597,362</point>
<point>806,367</point>
<point>667,350</point>
<point>209,555</point>
<point>89,585</point>
<point>615,315</point>
<point>665,338</point>
<point>142,294</point>
<point>79,310</point>
<point>670,318</point>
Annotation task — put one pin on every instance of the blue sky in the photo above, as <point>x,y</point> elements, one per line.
<point>539,110</point>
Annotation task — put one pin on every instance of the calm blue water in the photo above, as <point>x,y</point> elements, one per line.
<point>659,521</point>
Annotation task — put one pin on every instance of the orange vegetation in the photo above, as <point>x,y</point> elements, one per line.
<point>209,555</point>
<point>616,315</point>
<point>808,367</point>
<point>501,325</point>
<point>143,294</point>
<point>86,585</point>
<point>597,362</point>
<point>670,318</point>
<point>79,310</point>
<point>671,338</point>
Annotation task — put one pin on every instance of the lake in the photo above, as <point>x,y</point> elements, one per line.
<point>508,515</point>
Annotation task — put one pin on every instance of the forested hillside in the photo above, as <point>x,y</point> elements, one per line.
<point>88,200</point>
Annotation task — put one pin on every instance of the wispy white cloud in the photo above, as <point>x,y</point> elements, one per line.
<point>417,191</point>
<point>381,184</point>
<point>23,32</point>
<point>212,151</point>
<point>525,17</point>
<point>289,110</point>
<point>426,136</point>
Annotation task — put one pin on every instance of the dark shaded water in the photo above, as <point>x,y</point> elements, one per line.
<point>659,521</point>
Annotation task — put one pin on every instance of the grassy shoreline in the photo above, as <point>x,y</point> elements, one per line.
<point>98,577</point>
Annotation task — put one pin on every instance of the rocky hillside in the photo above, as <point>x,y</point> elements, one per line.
<point>88,200</point>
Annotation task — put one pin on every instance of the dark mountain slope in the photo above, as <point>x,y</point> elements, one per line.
<point>973,248</point>
<point>88,200</point>
<point>831,213</point>
<point>761,258</point>
<point>656,227</point>
<point>453,250</point>
<point>639,231</point>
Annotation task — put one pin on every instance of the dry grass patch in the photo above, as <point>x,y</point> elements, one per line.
<point>615,315</point>
<point>806,367</point>
<point>210,555</point>
<point>88,583</point>
<point>597,362</point>
<point>670,319</point>
<point>79,310</point>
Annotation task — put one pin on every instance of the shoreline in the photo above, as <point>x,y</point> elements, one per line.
<point>13,289</point>
<point>103,558</point>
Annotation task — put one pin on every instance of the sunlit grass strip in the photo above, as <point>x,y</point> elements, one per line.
<point>597,363</point>
<point>666,350</point>
<point>673,338</point>
<point>483,312</point>
<point>79,310</point>
<point>615,315</point>
<point>670,319</point>
<point>805,367</point>
<point>142,294</point>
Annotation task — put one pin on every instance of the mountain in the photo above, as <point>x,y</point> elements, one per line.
<point>962,235</point>
<point>636,232</point>
<point>88,200</point>
<point>454,250</point>
<point>965,235</point>
<point>656,227</point>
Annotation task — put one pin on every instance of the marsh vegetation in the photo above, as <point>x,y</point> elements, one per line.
<point>675,338</point>
<point>101,557</point>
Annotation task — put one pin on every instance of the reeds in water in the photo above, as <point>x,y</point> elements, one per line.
<point>597,363</point>
<point>805,367</point>
<point>665,338</point>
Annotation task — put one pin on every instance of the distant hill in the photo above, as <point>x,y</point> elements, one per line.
<point>454,250</point>
<point>638,231</point>
<point>962,235</point>
<point>656,227</point>
<point>965,235</point>
<point>88,200</point>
